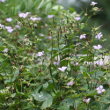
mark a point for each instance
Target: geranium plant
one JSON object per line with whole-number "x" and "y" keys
{"x": 51, "y": 58}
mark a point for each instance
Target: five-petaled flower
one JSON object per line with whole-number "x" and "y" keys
{"x": 100, "y": 89}
{"x": 35, "y": 18}
{"x": 83, "y": 36}
{"x": 86, "y": 100}
{"x": 2, "y": 0}
{"x": 56, "y": 62}
{"x": 70, "y": 83}
{"x": 23, "y": 15}
{"x": 99, "y": 36}
{"x": 17, "y": 27}
{"x": 5, "y": 50}
{"x": 93, "y": 3}
{"x": 77, "y": 18}
{"x": 39, "y": 54}
{"x": 9, "y": 29}
{"x": 50, "y": 16}
{"x": 63, "y": 68}
{"x": 2, "y": 26}
{"x": 9, "y": 19}
{"x": 97, "y": 47}
{"x": 99, "y": 62}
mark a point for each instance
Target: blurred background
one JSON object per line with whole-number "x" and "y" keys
{"x": 101, "y": 19}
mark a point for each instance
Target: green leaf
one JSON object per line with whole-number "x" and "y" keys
{"x": 58, "y": 7}
{"x": 43, "y": 97}
{"x": 47, "y": 103}
{"x": 64, "y": 107}
{"x": 68, "y": 101}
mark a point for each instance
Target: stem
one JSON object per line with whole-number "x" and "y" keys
{"x": 50, "y": 67}
{"x": 88, "y": 84}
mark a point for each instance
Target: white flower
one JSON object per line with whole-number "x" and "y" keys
{"x": 83, "y": 36}
{"x": 86, "y": 100}
{"x": 41, "y": 34}
{"x": 5, "y": 50}
{"x": 99, "y": 36}
{"x": 9, "y": 29}
{"x": 2, "y": 0}
{"x": 23, "y": 15}
{"x": 93, "y": 3}
{"x": 62, "y": 68}
{"x": 77, "y": 18}
{"x": 100, "y": 89}
{"x": 50, "y": 16}
{"x": 9, "y": 19}
{"x": 70, "y": 83}
{"x": 39, "y": 54}
{"x": 35, "y": 18}
{"x": 97, "y": 47}
{"x": 2, "y": 26}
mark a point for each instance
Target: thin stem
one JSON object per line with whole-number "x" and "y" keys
{"x": 50, "y": 67}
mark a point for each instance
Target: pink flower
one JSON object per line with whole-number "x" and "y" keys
{"x": 99, "y": 36}
{"x": 77, "y": 18}
{"x": 86, "y": 100}
{"x": 97, "y": 47}
{"x": 83, "y": 36}
{"x": 100, "y": 89}
{"x": 9, "y": 19}
{"x": 99, "y": 62}
{"x": 56, "y": 63}
{"x": 49, "y": 37}
{"x": 39, "y": 54}
{"x": 50, "y": 16}
{"x": 23, "y": 15}
{"x": 93, "y": 3}
{"x": 2, "y": 26}
{"x": 70, "y": 83}
{"x": 35, "y": 18}
{"x": 9, "y": 29}
{"x": 17, "y": 27}
{"x": 2, "y": 0}
{"x": 63, "y": 68}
